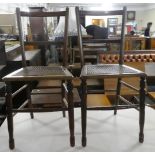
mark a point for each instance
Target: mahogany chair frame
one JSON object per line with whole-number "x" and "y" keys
{"x": 28, "y": 74}
{"x": 102, "y": 71}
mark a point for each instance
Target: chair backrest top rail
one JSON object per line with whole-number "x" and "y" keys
{"x": 100, "y": 13}
{"x": 42, "y": 14}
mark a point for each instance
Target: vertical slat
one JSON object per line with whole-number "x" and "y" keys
{"x": 21, "y": 36}
{"x": 65, "y": 55}
{"x": 79, "y": 36}
{"x": 121, "y": 59}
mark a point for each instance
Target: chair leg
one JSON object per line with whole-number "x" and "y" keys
{"x": 84, "y": 112}
{"x": 63, "y": 95}
{"x": 63, "y": 113}
{"x": 117, "y": 94}
{"x": 28, "y": 92}
{"x": 71, "y": 113}
{"x": 10, "y": 116}
{"x": 142, "y": 109}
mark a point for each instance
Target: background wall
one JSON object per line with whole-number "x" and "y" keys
{"x": 144, "y": 12}
{"x": 8, "y": 23}
{"x": 142, "y": 17}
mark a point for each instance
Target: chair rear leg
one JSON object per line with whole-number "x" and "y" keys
{"x": 117, "y": 95}
{"x": 71, "y": 113}
{"x": 63, "y": 95}
{"x": 28, "y": 92}
{"x": 84, "y": 112}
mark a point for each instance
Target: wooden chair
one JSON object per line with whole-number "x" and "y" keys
{"x": 102, "y": 71}
{"x": 28, "y": 74}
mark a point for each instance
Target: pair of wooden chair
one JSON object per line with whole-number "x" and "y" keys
{"x": 28, "y": 74}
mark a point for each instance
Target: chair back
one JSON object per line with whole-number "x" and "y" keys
{"x": 53, "y": 16}
{"x": 120, "y": 39}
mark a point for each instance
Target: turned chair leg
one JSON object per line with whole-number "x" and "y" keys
{"x": 71, "y": 113}
{"x": 142, "y": 109}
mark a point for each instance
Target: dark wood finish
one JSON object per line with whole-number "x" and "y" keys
{"x": 28, "y": 74}
{"x": 102, "y": 71}
{"x": 130, "y": 43}
{"x": 99, "y": 13}
{"x": 9, "y": 115}
{"x": 3, "y": 57}
{"x": 28, "y": 93}
{"x": 118, "y": 89}
{"x": 43, "y": 14}
{"x": 21, "y": 36}
{"x": 31, "y": 73}
{"x": 37, "y": 32}
{"x": 71, "y": 112}
{"x": 84, "y": 111}
{"x": 142, "y": 109}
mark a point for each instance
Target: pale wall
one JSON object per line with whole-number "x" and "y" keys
{"x": 6, "y": 21}
{"x": 142, "y": 17}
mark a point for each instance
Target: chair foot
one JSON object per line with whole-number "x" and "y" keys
{"x": 32, "y": 115}
{"x": 72, "y": 141}
{"x": 115, "y": 112}
{"x": 11, "y": 144}
{"x": 141, "y": 138}
{"x": 84, "y": 141}
{"x": 64, "y": 114}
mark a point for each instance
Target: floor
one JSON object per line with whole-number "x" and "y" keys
{"x": 48, "y": 132}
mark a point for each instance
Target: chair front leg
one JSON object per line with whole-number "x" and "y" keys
{"x": 9, "y": 114}
{"x": 142, "y": 109}
{"x": 84, "y": 111}
{"x": 71, "y": 112}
